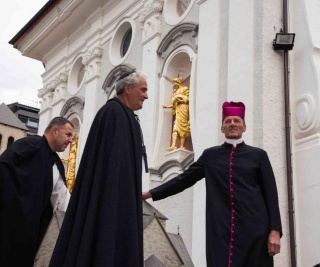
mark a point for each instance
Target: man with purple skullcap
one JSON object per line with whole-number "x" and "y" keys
{"x": 233, "y": 109}
{"x": 243, "y": 224}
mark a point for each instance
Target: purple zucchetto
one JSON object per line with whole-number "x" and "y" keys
{"x": 233, "y": 109}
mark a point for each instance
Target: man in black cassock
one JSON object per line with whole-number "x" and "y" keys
{"x": 103, "y": 224}
{"x": 32, "y": 186}
{"x": 243, "y": 225}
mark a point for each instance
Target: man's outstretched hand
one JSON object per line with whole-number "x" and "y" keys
{"x": 146, "y": 195}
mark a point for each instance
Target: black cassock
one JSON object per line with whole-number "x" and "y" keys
{"x": 25, "y": 192}
{"x": 241, "y": 203}
{"x": 103, "y": 223}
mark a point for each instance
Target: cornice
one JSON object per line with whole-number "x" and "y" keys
{"x": 183, "y": 34}
{"x": 172, "y": 163}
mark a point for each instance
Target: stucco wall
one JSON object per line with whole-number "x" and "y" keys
{"x": 8, "y": 131}
{"x": 234, "y": 61}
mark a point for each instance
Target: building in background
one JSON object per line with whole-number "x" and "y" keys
{"x": 27, "y": 115}
{"x": 222, "y": 51}
{"x": 11, "y": 128}
{"x": 160, "y": 247}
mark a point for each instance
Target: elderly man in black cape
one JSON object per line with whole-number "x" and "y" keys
{"x": 32, "y": 186}
{"x": 243, "y": 225}
{"x": 103, "y": 224}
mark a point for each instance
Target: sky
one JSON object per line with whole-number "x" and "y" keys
{"x": 20, "y": 76}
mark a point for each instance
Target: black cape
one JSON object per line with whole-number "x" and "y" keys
{"x": 25, "y": 191}
{"x": 103, "y": 223}
{"x": 241, "y": 204}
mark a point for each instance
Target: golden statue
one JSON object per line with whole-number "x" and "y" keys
{"x": 71, "y": 170}
{"x": 180, "y": 111}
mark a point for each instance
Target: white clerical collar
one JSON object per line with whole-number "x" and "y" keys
{"x": 233, "y": 142}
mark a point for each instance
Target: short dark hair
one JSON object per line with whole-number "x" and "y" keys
{"x": 59, "y": 122}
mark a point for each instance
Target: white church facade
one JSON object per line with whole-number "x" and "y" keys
{"x": 223, "y": 51}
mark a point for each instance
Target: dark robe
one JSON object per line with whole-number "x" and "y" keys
{"x": 103, "y": 222}
{"x": 241, "y": 203}
{"x": 25, "y": 189}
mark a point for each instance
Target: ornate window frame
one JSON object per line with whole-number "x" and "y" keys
{"x": 117, "y": 41}
{"x": 73, "y": 86}
{"x": 169, "y": 11}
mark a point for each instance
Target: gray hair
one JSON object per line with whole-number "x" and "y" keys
{"x": 132, "y": 79}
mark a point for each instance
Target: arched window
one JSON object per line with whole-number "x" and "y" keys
{"x": 175, "y": 11}
{"x": 122, "y": 41}
{"x": 80, "y": 75}
{"x": 182, "y": 6}
{"x": 126, "y": 41}
{"x": 10, "y": 141}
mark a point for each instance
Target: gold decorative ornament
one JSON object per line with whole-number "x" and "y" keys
{"x": 180, "y": 111}
{"x": 71, "y": 161}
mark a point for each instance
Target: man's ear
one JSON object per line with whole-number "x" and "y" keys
{"x": 54, "y": 130}
{"x": 126, "y": 88}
